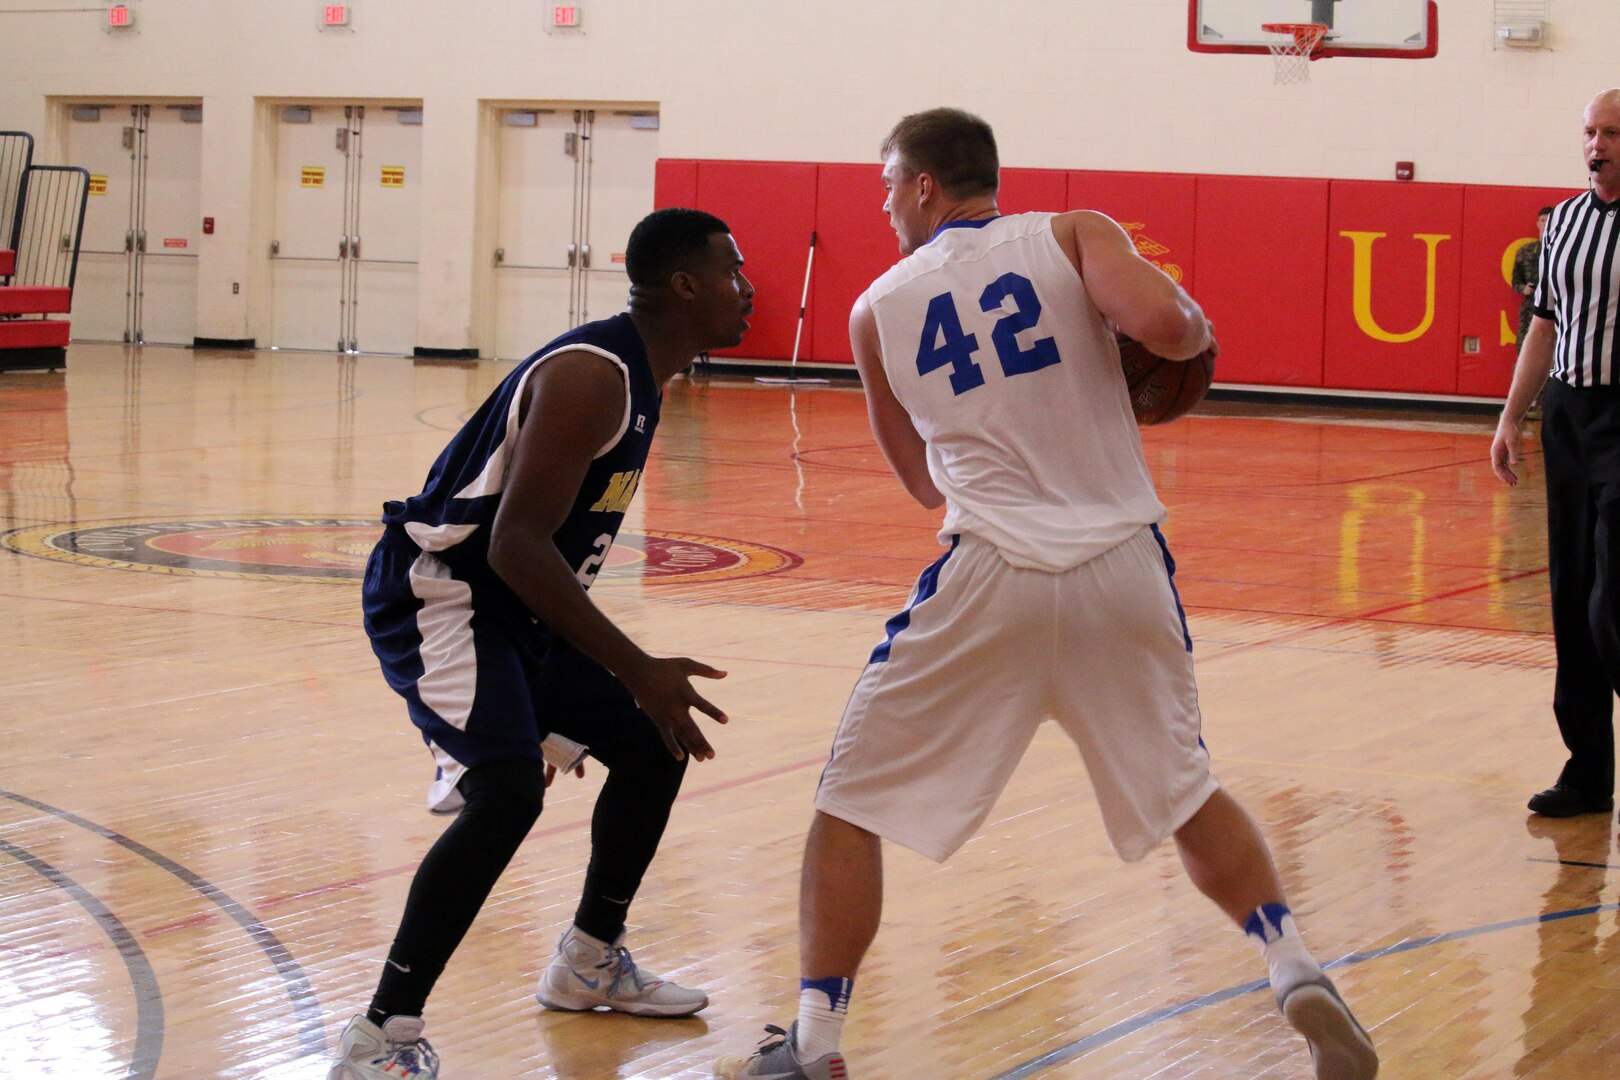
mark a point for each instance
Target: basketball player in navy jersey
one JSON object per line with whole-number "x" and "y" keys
{"x": 476, "y": 605}
{"x": 994, "y": 389}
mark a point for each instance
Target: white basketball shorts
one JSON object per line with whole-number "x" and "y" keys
{"x": 983, "y": 654}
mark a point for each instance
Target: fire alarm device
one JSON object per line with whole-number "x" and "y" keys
{"x": 1404, "y": 170}
{"x": 208, "y": 226}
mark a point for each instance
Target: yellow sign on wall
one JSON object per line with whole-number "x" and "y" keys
{"x": 98, "y": 184}
{"x": 393, "y": 176}
{"x": 312, "y": 176}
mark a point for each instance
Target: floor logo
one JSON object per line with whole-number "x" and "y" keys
{"x": 335, "y": 549}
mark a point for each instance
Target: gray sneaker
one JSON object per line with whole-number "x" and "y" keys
{"x": 774, "y": 1060}
{"x": 395, "y": 1051}
{"x": 586, "y": 976}
{"x": 1340, "y": 1047}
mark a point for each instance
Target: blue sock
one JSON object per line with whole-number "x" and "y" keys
{"x": 838, "y": 991}
{"x": 1266, "y": 922}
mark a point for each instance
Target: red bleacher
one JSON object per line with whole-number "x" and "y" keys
{"x": 35, "y": 300}
{"x": 30, "y": 331}
{"x": 32, "y": 334}
{"x": 38, "y": 205}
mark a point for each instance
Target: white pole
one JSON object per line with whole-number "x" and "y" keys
{"x": 804, "y": 300}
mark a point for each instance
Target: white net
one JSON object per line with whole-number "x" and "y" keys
{"x": 1291, "y": 46}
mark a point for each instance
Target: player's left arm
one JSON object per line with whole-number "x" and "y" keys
{"x": 1134, "y": 295}
{"x": 896, "y": 435}
{"x": 572, "y": 408}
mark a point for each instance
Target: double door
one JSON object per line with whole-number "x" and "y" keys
{"x": 573, "y": 183}
{"x": 137, "y": 279}
{"x": 343, "y": 263}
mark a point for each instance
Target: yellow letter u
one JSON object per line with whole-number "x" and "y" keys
{"x": 1361, "y": 287}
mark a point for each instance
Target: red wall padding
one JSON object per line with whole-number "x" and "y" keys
{"x": 771, "y": 208}
{"x": 1024, "y": 190}
{"x": 1398, "y": 248}
{"x": 1280, "y": 263}
{"x": 1156, "y": 209}
{"x": 854, "y": 244}
{"x": 1263, "y": 242}
{"x": 1496, "y": 220}
{"x": 675, "y": 182}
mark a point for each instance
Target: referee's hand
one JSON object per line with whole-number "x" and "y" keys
{"x": 1505, "y": 451}
{"x": 663, "y": 688}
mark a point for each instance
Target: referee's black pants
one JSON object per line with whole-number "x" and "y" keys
{"x": 1580, "y": 440}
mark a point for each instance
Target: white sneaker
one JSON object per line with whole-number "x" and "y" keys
{"x": 587, "y": 974}
{"x": 1340, "y": 1047}
{"x": 394, "y": 1051}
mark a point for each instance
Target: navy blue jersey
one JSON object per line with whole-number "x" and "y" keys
{"x": 452, "y": 516}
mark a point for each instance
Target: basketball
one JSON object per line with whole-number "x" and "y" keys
{"x": 1163, "y": 390}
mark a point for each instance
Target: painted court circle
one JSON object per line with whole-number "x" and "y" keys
{"x": 318, "y": 549}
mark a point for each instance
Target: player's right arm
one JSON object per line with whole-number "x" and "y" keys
{"x": 897, "y": 437}
{"x": 1529, "y": 376}
{"x": 573, "y": 405}
{"x": 1137, "y": 297}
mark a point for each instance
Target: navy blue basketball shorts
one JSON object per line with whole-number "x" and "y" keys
{"x": 481, "y": 679}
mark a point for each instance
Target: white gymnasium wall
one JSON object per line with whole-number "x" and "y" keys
{"x": 1101, "y": 84}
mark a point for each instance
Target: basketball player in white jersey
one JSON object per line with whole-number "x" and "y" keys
{"x": 994, "y": 389}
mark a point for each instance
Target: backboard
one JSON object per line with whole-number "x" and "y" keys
{"x": 1393, "y": 29}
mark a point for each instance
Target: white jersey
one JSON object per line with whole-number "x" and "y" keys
{"x": 1010, "y": 375}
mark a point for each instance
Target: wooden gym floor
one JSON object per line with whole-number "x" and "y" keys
{"x": 211, "y": 805}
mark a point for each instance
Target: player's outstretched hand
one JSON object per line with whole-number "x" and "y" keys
{"x": 663, "y": 689}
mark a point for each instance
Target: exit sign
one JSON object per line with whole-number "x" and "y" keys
{"x": 337, "y": 15}
{"x": 119, "y": 17}
{"x": 565, "y": 16}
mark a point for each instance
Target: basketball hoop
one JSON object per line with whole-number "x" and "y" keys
{"x": 1292, "y": 47}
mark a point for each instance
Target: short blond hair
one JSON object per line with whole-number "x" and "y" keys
{"x": 955, "y": 147}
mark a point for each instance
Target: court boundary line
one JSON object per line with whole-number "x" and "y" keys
{"x": 149, "y": 1021}
{"x": 1142, "y": 1021}
{"x": 312, "y": 1026}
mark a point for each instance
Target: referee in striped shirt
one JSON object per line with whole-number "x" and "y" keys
{"x": 1575, "y": 336}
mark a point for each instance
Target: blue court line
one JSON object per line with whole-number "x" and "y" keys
{"x": 148, "y": 996}
{"x": 311, "y": 1029}
{"x": 1145, "y": 1020}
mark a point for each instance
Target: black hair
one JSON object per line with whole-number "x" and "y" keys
{"x": 1544, "y": 211}
{"x": 666, "y": 239}
{"x": 956, "y": 148}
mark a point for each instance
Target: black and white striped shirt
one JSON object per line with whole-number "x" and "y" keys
{"x": 1580, "y": 289}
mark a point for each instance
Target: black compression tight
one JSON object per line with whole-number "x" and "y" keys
{"x": 503, "y": 800}
{"x": 631, "y": 812}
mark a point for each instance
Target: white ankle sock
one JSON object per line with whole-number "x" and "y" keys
{"x": 823, "y": 1008}
{"x": 1288, "y": 962}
